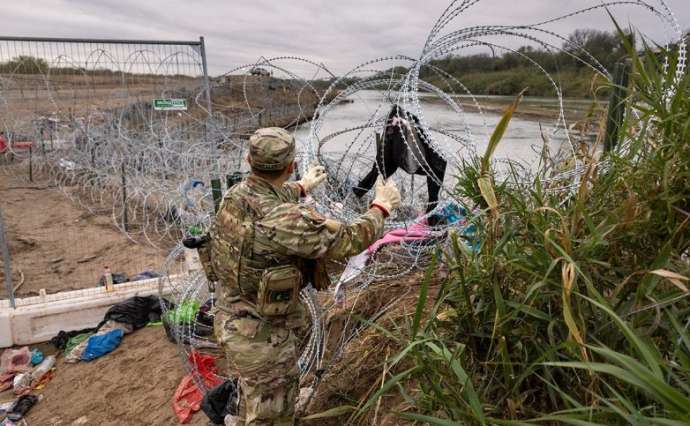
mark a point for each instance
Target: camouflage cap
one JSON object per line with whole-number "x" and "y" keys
{"x": 271, "y": 148}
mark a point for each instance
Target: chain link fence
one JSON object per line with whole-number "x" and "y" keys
{"x": 130, "y": 133}
{"x": 76, "y": 119}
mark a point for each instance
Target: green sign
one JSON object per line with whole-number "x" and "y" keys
{"x": 170, "y": 104}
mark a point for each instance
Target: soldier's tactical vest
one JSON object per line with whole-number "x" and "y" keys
{"x": 271, "y": 282}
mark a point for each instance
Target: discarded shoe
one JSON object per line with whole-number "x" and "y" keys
{"x": 21, "y": 407}
{"x": 221, "y": 401}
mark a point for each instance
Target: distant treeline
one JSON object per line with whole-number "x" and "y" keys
{"x": 31, "y": 65}
{"x": 508, "y": 73}
{"x": 24, "y": 65}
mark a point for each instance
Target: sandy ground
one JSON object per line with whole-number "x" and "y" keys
{"x": 132, "y": 385}
{"x": 56, "y": 244}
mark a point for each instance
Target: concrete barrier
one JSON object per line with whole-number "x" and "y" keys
{"x": 39, "y": 318}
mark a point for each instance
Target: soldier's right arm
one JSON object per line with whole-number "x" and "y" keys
{"x": 298, "y": 230}
{"x": 352, "y": 239}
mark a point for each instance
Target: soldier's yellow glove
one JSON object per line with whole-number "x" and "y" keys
{"x": 313, "y": 178}
{"x": 387, "y": 196}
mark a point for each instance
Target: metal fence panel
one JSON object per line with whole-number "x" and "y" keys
{"x": 77, "y": 115}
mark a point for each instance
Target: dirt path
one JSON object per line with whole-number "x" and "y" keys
{"x": 133, "y": 385}
{"x": 57, "y": 245}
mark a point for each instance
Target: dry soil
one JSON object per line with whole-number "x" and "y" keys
{"x": 56, "y": 244}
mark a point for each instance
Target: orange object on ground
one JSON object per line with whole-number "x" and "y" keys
{"x": 43, "y": 381}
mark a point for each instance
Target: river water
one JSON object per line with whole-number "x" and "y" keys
{"x": 522, "y": 141}
{"x": 350, "y": 155}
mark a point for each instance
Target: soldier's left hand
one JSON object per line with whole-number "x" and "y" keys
{"x": 314, "y": 177}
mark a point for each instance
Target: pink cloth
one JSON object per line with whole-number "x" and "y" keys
{"x": 417, "y": 231}
{"x": 15, "y": 360}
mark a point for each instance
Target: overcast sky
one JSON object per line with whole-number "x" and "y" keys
{"x": 340, "y": 34}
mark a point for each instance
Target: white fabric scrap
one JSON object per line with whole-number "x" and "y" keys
{"x": 354, "y": 267}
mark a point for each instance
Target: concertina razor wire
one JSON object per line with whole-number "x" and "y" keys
{"x": 88, "y": 108}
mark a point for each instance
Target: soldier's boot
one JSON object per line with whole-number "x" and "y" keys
{"x": 271, "y": 406}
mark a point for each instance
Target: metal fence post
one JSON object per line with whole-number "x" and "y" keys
{"x": 8, "y": 263}
{"x": 207, "y": 88}
{"x": 125, "y": 220}
{"x": 217, "y": 194}
{"x": 204, "y": 67}
{"x": 31, "y": 165}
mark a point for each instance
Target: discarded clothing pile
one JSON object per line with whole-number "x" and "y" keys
{"x": 136, "y": 311}
{"x": 23, "y": 371}
{"x": 120, "y": 319}
{"x": 61, "y": 339}
{"x": 188, "y": 397}
{"x": 13, "y": 362}
{"x": 105, "y": 340}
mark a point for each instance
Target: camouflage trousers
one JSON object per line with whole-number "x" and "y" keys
{"x": 264, "y": 357}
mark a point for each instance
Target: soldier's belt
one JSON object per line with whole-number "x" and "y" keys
{"x": 239, "y": 307}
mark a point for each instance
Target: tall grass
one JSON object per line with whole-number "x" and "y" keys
{"x": 576, "y": 309}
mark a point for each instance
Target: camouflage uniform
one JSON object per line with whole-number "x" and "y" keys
{"x": 259, "y": 226}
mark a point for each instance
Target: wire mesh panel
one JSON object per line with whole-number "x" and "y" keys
{"x": 106, "y": 123}
{"x": 51, "y": 90}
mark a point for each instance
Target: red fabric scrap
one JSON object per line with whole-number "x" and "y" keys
{"x": 187, "y": 397}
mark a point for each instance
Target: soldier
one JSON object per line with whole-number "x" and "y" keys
{"x": 265, "y": 246}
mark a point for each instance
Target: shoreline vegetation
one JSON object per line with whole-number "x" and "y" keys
{"x": 490, "y": 77}
{"x": 533, "y": 108}
{"x": 511, "y": 72}
{"x": 576, "y": 308}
